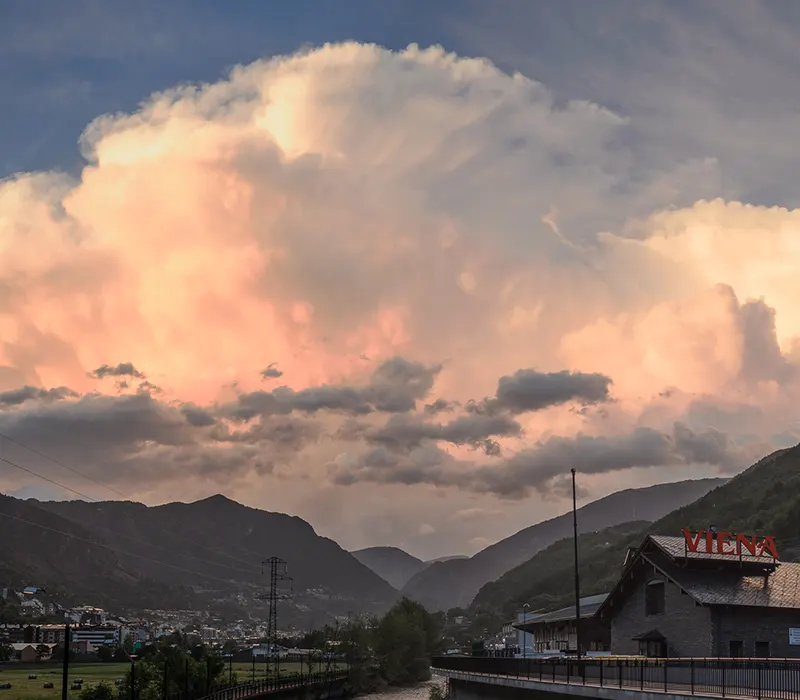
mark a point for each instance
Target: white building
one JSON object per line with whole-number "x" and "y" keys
{"x": 525, "y": 640}
{"x": 96, "y": 635}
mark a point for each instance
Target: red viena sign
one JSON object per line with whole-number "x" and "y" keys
{"x": 729, "y": 543}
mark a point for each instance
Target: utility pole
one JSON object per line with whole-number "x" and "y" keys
{"x": 524, "y": 633}
{"x": 276, "y": 567}
{"x": 577, "y": 577}
{"x": 65, "y": 671}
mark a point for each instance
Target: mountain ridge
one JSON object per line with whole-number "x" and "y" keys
{"x": 455, "y": 583}
{"x": 208, "y": 552}
{"x": 765, "y": 498}
{"x": 392, "y": 564}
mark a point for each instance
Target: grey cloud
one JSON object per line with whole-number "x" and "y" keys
{"x": 529, "y": 390}
{"x": 544, "y": 467}
{"x": 16, "y": 397}
{"x": 123, "y": 369}
{"x": 281, "y": 433}
{"x": 98, "y": 424}
{"x": 394, "y": 387}
{"x": 197, "y": 416}
{"x": 147, "y": 387}
{"x": 403, "y": 432}
{"x": 440, "y": 406}
{"x": 644, "y": 447}
{"x": 271, "y": 372}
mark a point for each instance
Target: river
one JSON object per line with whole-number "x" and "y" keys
{"x": 417, "y": 692}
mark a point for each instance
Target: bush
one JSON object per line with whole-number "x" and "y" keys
{"x": 101, "y": 691}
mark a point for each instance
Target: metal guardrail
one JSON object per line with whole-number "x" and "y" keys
{"x": 252, "y": 689}
{"x": 760, "y": 679}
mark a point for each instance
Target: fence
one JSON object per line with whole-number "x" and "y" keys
{"x": 748, "y": 678}
{"x": 253, "y": 689}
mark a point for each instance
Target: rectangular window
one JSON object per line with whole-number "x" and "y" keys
{"x": 762, "y": 650}
{"x": 654, "y": 598}
{"x": 737, "y": 649}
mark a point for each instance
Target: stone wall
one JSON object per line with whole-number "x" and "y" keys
{"x": 751, "y": 625}
{"x": 686, "y": 625}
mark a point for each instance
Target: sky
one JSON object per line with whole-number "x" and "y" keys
{"x": 398, "y": 267}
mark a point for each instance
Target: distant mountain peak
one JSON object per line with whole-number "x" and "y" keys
{"x": 219, "y": 499}
{"x": 392, "y": 564}
{"x": 454, "y": 583}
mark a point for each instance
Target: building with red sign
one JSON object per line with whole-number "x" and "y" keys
{"x": 705, "y": 594}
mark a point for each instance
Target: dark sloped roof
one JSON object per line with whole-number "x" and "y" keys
{"x": 780, "y": 589}
{"x": 589, "y": 607}
{"x": 720, "y": 581}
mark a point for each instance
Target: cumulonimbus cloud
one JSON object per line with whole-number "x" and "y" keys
{"x": 396, "y": 230}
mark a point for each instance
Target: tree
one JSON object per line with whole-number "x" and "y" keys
{"x": 6, "y": 650}
{"x": 101, "y": 691}
{"x": 42, "y": 651}
{"x": 105, "y": 653}
{"x": 406, "y": 638}
{"x": 182, "y": 670}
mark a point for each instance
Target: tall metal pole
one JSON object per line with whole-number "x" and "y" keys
{"x": 133, "y": 679}
{"x": 524, "y": 633}
{"x": 577, "y": 577}
{"x": 65, "y": 671}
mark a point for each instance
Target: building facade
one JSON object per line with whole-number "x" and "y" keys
{"x": 678, "y": 597}
{"x": 556, "y": 631}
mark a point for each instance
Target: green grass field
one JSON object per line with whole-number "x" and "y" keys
{"x": 25, "y": 689}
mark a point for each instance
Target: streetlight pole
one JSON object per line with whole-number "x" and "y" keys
{"x": 577, "y": 577}
{"x": 524, "y": 633}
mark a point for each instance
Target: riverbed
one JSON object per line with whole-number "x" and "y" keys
{"x": 417, "y": 692}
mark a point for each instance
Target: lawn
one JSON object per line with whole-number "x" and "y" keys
{"x": 244, "y": 671}
{"x": 24, "y": 689}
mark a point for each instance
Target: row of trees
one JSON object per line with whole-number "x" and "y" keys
{"x": 165, "y": 669}
{"x": 392, "y": 650}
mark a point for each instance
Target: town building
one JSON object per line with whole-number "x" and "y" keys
{"x": 555, "y": 632}
{"x": 96, "y": 635}
{"x": 705, "y": 594}
{"x": 50, "y": 634}
{"x": 26, "y": 653}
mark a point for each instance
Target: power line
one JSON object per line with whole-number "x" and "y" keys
{"x": 113, "y": 549}
{"x": 52, "y": 481}
{"x": 94, "y": 500}
{"x": 120, "y": 534}
{"x": 61, "y": 464}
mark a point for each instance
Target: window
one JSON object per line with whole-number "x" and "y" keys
{"x": 654, "y": 598}
{"x": 762, "y": 650}
{"x": 737, "y": 649}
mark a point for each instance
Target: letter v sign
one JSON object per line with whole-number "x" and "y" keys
{"x": 692, "y": 544}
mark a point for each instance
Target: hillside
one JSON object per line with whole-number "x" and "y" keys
{"x": 540, "y": 582}
{"x": 456, "y": 582}
{"x": 207, "y": 552}
{"x": 764, "y": 499}
{"x": 41, "y": 548}
{"x": 451, "y": 558}
{"x": 390, "y": 563}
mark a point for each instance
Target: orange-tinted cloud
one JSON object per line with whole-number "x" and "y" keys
{"x": 326, "y": 212}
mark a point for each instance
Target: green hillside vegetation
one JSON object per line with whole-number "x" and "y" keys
{"x": 545, "y": 581}
{"x": 763, "y": 500}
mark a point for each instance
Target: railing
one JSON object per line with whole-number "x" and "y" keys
{"x": 251, "y": 689}
{"x": 744, "y": 678}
